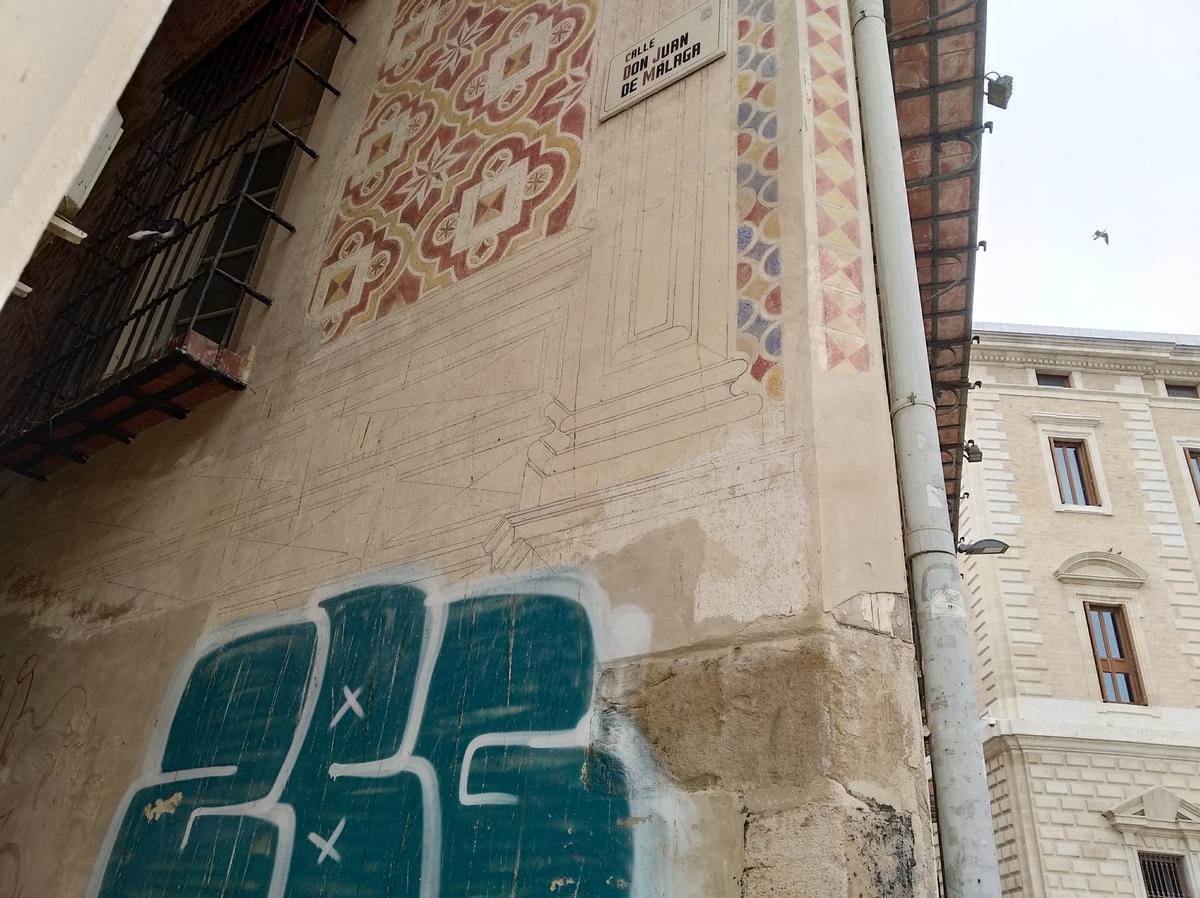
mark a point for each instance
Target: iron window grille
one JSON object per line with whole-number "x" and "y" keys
{"x": 1163, "y": 875}
{"x": 206, "y": 179}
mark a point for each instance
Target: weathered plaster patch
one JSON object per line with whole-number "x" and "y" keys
{"x": 883, "y": 612}
{"x": 761, "y": 718}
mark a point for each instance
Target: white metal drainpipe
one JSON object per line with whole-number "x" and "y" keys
{"x": 968, "y": 846}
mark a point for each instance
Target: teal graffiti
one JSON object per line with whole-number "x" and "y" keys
{"x": 384, "y": 743}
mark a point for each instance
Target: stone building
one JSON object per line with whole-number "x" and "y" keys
{"x": 1087, "y": 631}
{"x": 425, "y": 477}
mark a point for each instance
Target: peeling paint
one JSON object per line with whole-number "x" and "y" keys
{"x": 162, "y": 806}
{"x": 632, "y": 821}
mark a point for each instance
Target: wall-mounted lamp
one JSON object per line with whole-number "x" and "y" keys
{"x": 999, "y": 89}
{"x": 972, "y": 452}
{"x": 983, "y": 547}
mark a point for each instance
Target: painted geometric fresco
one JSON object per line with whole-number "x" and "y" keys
{"x": 469, "y": 151}
{"x": 839, "y": 210}
{"x": 760, "y": 296}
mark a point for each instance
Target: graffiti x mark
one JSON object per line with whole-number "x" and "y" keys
{"x": 350, "y": 704}
{"x": 325, "y": 846}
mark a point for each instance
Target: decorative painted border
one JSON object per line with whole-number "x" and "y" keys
{"x": 759, "y": 256}
{"x": 840, "y": 219}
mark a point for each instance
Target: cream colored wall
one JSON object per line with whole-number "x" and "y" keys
{"x": 1013, "y": 496}
{"x": 510, "y": 423}
{"x": 1177, "y": 422}
{"x": 62, "y": 67}
{"x": 1059, "y": 757}
{"x": 1064, "y": 844}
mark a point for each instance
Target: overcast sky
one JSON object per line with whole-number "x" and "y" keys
{"x": 1103, "y": 132}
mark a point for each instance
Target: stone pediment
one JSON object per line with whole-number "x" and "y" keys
{"x": 1101, "y": 569}
{"x": 1156, "y": 809}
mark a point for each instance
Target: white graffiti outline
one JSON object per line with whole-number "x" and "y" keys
{"x": 267, "y": 808}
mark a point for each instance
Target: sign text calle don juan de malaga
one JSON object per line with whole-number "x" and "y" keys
{"x": 686, "y": 45}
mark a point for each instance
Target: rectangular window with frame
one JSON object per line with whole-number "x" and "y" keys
{"x": 1073, "y": 470}
{"x": 1183, "y": 391}
{"x": 1053, "y": 379}
{"x": 1163, "y": 875}
{"x": 1112, "y": 649}
{"x": 1193, "y": 460}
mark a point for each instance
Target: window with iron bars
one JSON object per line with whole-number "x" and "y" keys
{"x": 1164, "y": 876}
{"x": 177, "y": 248}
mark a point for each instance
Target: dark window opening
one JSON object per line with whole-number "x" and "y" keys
{"x": 1112, "y": 649}
{"x": 1073, "y": 469}
{"x": 1053, "y": 379}
{"x": 1193, "y": 460}
{"x": 202, "y": 191}
{"x": 1163, "y": 875}
{"x": 1183, "y": 391}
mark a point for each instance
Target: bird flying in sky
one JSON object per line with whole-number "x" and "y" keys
{"x": 1101, "y": 234}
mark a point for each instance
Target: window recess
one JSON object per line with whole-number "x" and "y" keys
{"x": 1112, "y": 650}
{"x": 1073, "y": 470}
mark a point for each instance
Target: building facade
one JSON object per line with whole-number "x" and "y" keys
{"x": 420, "y": 482}
{"x": 1087, "y": 631}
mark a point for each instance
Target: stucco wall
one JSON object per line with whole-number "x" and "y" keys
{"x": 596, "y": 509}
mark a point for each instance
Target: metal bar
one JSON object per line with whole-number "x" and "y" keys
{"x": 272, "y": 214}
{"x": 329, "y": 18}
{"x": 27, "y": 472}
{"x": 935, "y": 88}
{"x": 167, "y": 408}
{"x": 115, "y": 432}
{"x": 295, "y": 138}
{"x": 932, "y": 36}
{"x": 64, "y": 451}
{"x": 318, "y": 77}
{"x": 220, "y": 313}
{"x": 261, "y": 297}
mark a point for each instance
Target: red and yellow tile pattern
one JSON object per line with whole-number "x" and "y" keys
{"x": 469, "y": 151}
{"x": 840, "y": 219}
